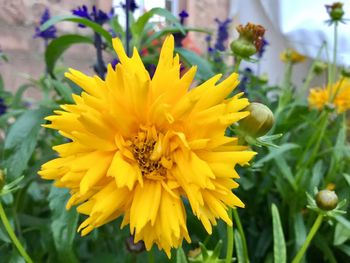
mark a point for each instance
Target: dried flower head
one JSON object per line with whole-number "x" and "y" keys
{"x": 335, "y": 12}
{"x": 250, "y": 40}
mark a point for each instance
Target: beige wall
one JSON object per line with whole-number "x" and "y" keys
{"x": 18, "y": 19}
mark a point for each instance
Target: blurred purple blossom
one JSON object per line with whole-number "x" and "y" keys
{"x": 132, "y": 5}
{"x": 3, "y": 107}
{"x": 96, "y": 15}
{"x": 222, "y": 34}
{"x": 49, "y": 33}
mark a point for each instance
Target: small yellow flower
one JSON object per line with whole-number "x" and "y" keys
{"x": 140, "y": 146}
{"x": 290, "y": 55}
{"x": 338, "y": 92}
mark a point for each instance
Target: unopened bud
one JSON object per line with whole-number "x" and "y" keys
{"x": 326, "y": 200}
{"x": 345, "y": 72}
{"x": 242, "y": 48}
{"x": 259, "y": 121}
{"x": 319, "y": 67}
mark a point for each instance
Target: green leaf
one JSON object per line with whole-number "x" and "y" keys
{"x": 64, "y": 224}
{"x": 180, "y": 256}
{"x": 116, "y": 27}
{"x": 171, "y": 30}
{"x": 239, "y": 248}
{"x": 204, "y": 70}
{"x": 274, "y": 152}
{"x": 341, "y": 234}
{"x": 299, "y": 230}
{"x": 59, "y": 45}
{"x": 279, "y": 244}
{"x": 77, "y": 19}
{"x": 21, "y": 140}
{"x": 17, "y": 98}
{"x": 345, "y": 249}
{"x": 286, "y": 171}
{"x": 64, "y": 90}
{"x": 138, "y": 27}
{"x": 317, "y": 174}
{"x": 347, "y": 178}
{"x": 342, "y": 220}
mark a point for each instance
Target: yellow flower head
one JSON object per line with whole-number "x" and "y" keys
{"x": 140, "y": 146}
{"x": 290, "y": 55}
{"x": 339, "y": 93}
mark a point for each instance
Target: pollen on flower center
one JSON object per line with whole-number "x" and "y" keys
{"x": 143, "y": 149}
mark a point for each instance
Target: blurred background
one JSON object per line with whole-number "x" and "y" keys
{"x": 18, "y": 19}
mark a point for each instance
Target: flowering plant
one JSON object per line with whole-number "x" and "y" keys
{"x": 163, "y": 148}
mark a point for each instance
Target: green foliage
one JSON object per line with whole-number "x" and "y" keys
{"x": 21, "y": 141}
{"x": 59, "y": 45}
{"x": 279, "y": 244}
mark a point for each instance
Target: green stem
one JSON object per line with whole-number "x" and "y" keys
{"x": 230, "y": 240}
{"x": 287, "y": 76}
{"x": 324, "y": 124}
{"x": 333, "y": 68}
{"x": 241, "y": 232}
{"x": 238, "y": 62}
{"x": 12, "y": 235}
{"x": 309, "y": 237}
{"x": 311, "y": 74}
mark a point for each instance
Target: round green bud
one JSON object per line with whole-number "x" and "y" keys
{"x": 345, "y": 72}
{"x": 337, "y": 14}
{"x": 326, "y": 200}
{"x": 319, "y": 67}
{"x": 258, "y": 122}
{"x": 242, "y": 48}
{"x": 2, "y": 179}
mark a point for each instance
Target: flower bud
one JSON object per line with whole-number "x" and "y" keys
{"x": 326, "y": 200}
{"x": 345, "y": 72}
{"x": 258, "y": 122}
{"x": 243, "y": 48}
{"x": 319, "y": 67}
{"x": 2, "y": 179}
{"x": 335, "y": 11}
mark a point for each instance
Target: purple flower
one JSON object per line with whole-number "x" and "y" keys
{"x": 132, "y": 5}
{"x": 222, "y": 35}
{"x": 246, "y": 79}
{"x": 49, "y": 33}
{"x": 3, "y": 107}
{"x": 114, "y": 63}
{"x": 178, "y": 36}
{"x": 183, "y": 15}
{"x": 263, "y": 48}
{"x": 97, "y": 15}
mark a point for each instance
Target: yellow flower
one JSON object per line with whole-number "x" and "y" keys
{"x": 338, "y": 92}
{"x": 140, "y": 146}
{"x": 290, "y": 55}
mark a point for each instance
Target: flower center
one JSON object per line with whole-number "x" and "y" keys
{"x": 143, "y": 147}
